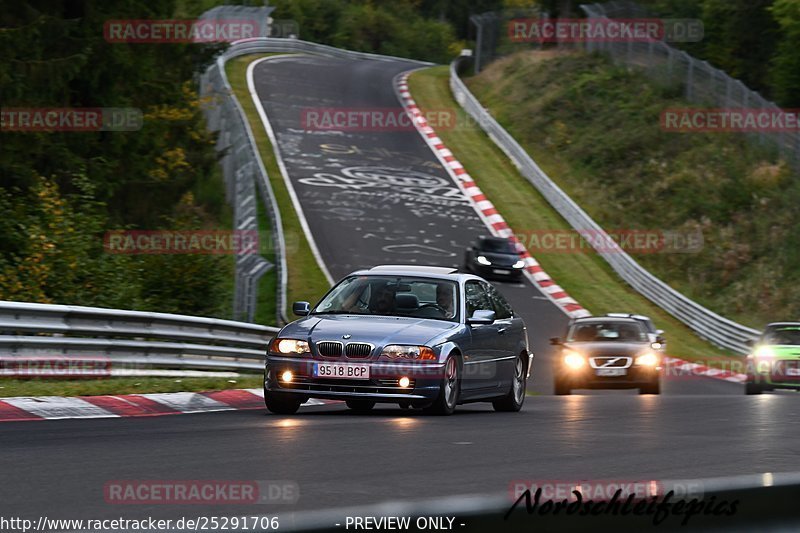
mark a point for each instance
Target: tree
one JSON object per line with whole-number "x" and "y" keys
{"x": 785, "y": 65}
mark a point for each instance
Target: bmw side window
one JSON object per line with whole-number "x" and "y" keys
{"x": 501, "y": 308}
{"x": 476, "y": 298}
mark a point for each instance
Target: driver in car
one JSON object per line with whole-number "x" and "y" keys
{"x": 445, "y": 299}
{"x": 384, "y": 303}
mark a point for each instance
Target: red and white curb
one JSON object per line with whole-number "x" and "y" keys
{"x": 133, "y": 405}
{"x": 498, "y": 226}
{"x": 679, "y": 367}
{"x": 485, "y": 209}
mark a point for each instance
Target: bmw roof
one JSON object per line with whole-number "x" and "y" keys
{"x": 414, "y": 268}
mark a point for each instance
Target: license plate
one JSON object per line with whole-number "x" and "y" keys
{"x": 611, "y": 372}
{"x": 792, "y": 371}
{"x": 498, "y": 271}
{"x": 341, "y": 370}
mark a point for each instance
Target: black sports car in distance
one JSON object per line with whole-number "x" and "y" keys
{"x": 495, "y": 258}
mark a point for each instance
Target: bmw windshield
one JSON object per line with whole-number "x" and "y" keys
{"x": 392, "y": 296}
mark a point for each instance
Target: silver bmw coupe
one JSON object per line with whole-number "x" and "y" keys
{"x": 421, "y": 337}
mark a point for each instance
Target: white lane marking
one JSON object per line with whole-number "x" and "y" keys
{"x": 188, "y": 402}
{"x": 55, "y": 407}
{"x": 282, "y": 166}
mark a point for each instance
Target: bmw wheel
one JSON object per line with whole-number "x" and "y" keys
{"x": 281, "y": 404}
{"x": 360, "y": 406}
{"x": 512, "y": 402}
{"x": 449, "y": 389}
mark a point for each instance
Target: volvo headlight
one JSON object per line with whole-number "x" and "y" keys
{"x": 482, "y": 260}
{"x": 648, "y": 359}
{"x": 289, "y": 346}
{"x": 574, "y": 360}
{"x": 398, "y": 351}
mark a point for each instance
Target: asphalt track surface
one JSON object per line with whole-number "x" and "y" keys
{"x": 697, "y": 428}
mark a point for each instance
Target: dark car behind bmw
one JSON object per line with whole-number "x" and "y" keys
{"x": 494, "y": 258}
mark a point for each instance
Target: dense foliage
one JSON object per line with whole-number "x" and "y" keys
{"x": 61, "y": 191}
{"x": 756, "y": 41}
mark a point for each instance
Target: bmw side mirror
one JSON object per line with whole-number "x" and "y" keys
{"x": 301, "y": 308}
{"x": 481, "y": 316}
{"x": 556, "y": 341}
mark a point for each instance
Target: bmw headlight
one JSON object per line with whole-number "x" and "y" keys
{"x": 289, "y": 346}
{"x": 482, "y": 260}
{"x": 398, "y": 351}
{"x": 648, "y": 359}
{"x": 519, "y": 264}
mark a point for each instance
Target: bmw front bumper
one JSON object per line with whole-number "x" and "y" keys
{"x": 383, "y": 384}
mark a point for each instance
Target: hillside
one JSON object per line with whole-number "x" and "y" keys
{"x": 595, "y": 129}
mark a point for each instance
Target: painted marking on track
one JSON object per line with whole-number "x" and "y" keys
{"x": 54, "y": 407}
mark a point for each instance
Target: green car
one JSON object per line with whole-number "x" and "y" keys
{"x": 775, "y": 361}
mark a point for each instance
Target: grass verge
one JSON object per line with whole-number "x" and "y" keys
{"x": 305, "y": 279}
{"x": 586, "y": 277}
{"x": 93, "y": 387}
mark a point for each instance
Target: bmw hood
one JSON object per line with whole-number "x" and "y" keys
{"x": 378, "y": 330}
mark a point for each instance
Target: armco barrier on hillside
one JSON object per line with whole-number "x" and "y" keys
{"x": 709, "y": 325}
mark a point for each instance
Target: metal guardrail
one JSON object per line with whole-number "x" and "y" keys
{"x": 130, "y": 337}
{"x": 709, "y": 325}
